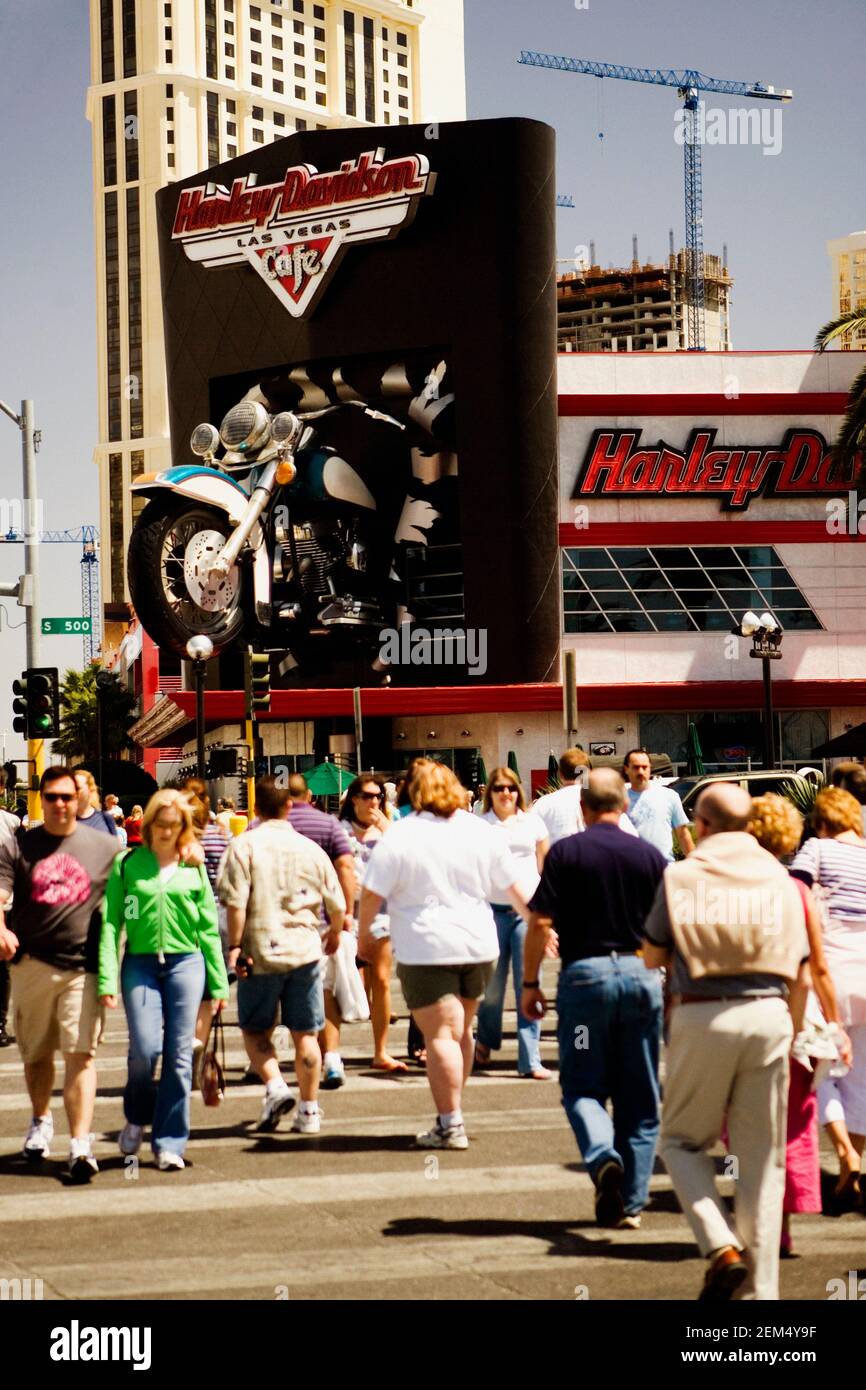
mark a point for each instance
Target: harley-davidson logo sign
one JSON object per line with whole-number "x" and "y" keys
{"x": 615, "y": 467}
{"x": 294, "y": 233}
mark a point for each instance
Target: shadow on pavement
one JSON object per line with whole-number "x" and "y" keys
{"x": 563, "y": 1237}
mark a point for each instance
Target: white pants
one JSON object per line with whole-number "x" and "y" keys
{"x": 844, "y": 1097}
{"x": 728, "y": 1061}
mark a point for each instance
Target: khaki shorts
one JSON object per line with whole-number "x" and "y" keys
{"x": 54, "y": 1010}
{"x": 426, "y": 984}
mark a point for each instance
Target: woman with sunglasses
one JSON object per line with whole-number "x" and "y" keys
{"x": 363, "y": 813}
{"x": 526, "y": 837}
{"x": 167, "y": 909}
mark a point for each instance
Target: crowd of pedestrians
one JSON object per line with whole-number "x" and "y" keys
{"x": 739, "y": 940}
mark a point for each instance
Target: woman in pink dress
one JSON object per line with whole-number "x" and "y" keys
{"x": 778, "y": 826}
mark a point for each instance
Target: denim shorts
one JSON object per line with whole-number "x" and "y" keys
{"x": 297, "y": 994}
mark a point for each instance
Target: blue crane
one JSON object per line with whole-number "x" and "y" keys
{"x": 88, "y": 538}
{"x": 688, "y": 83}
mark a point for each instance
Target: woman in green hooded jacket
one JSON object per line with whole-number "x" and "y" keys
{"x": 167, "y": 909}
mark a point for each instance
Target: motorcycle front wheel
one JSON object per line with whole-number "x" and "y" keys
{"x": 170, "y": 548}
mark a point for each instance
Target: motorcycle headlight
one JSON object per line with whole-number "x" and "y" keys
{"x": 246, "y": 428}
{"x": 286, "y": 428}
{"x": 205, "y": 440}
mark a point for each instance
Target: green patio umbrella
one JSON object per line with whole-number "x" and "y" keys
{"x": 553, "y": 770}
{"x": 512, "y": 765}
{"x": 327, "y": 779}
{"x": 480, "y": 772}
{"x": 695, "y": 755}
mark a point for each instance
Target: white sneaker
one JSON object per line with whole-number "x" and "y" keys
{"x": 129, "y": 1139}
{"x": 37, "y": 1145}
{"x": 273, "y": 1107}
{"x": 439, "y": 1138}
{"x": 166, "y": 1161}
{"x": 82, "y": 1164}
{"x": 308, "y": 1121}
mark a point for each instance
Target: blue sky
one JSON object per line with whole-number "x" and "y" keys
{"x": 775, "y": 212}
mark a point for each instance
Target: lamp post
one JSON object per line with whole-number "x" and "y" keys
{"x": 199, "y": 650}
{"x": 104, "y": 682}
{"x": 766, "y": 635}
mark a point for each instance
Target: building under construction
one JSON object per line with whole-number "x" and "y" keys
{"x": 641, "y": 309}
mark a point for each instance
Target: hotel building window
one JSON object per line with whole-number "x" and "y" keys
{"x": 210, "y": 39}
{"x": 369, "y": 73}
{"x": 128, "y": 36}
{"x": 115, "y": 518}
{"x": 349, "y": 43}
{"x": 107, "y": 35}
{"x": 136, "y": 468}
{"x": 213, "y": 142}
{"x": 130, "y": 135}
{"x": 112, "y": 314}
{"x": 135, "y": 393}
{"x": 109, "y": 141}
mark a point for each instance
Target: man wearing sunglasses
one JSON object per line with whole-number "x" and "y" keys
{"x": 56, "y": 874}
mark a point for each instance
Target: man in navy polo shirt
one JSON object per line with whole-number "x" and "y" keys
{"x": 596, "y": 890}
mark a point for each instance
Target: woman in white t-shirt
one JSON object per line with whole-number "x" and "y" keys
{"x": 439, "y": 869}
{"x": 526, "y": 836}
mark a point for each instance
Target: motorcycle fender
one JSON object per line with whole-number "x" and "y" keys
{"x": 199, "y": 485}
{"x": 216, "y": 490}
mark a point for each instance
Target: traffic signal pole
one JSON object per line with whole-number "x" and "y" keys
{"x": 29, "y": 594}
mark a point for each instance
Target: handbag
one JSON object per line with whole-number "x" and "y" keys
{"x": 213, "y": 1068}
{"x": 349, "y": 993}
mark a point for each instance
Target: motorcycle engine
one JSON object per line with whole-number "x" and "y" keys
{"x": 318, "y": 554}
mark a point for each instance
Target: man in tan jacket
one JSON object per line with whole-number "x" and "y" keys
{"x": 729, "y": 923}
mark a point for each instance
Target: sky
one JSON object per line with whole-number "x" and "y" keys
{"x": 617, "y": 156}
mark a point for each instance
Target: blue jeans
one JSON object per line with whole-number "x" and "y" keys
{"x": 161, "y": 1002}
{"x": 511, "y": 930}
{"x": 610, "y": 1019}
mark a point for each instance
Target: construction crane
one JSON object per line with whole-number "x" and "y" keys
{"x": 688, "y": 84}
{"x": 88, "y": 538}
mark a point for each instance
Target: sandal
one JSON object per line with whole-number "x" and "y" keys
{"x": 482, "y": 1055}
{"x": 392, "y": 1065}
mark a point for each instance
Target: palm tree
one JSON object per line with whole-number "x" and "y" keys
{"x": 851, "y": 440}
{"x": 78, "y": 717}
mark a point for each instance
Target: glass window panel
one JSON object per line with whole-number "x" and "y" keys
{"x": 677, "y": 557}
{"x": 761, "y": 577}
{"x": 802, "y": 618}
{"x": 741, "y": 599}
{"x": 648, "y": 580}
{"x": 690, "y": 579}
{"x": 580, "y": 603}
{"x": 757, "y": 555}
{"x": 717, "y": 557}
{"x": 658, "y": 602}
{"x": 630, "y": 622}
{"x": 590, "y": 559}
{"x": 733, "y": 579}
{"x": 783, "y": 598}
{"x": 622, "y": 602}
{"x": 673, "y": 622}
{"x": 605, "y": 579}
{"x": 632, "y": 559}
{"x": 572, "y": 580}
{"x": 713, "y": 619}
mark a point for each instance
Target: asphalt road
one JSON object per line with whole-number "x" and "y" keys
{"x": 356, "y": 1212}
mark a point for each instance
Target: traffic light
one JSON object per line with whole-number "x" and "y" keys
{"x": 257, "y": 682}
{"x": 36, "y": 706}
{"x": 11, "y": 772}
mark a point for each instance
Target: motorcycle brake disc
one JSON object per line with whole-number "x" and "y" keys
{"x": 198, "y": 557}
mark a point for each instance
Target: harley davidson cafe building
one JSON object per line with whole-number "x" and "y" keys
{"x": 692, "y": 488}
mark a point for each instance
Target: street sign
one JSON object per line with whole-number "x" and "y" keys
{"x": 55, "y": 626}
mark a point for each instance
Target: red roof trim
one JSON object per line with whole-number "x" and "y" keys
{"x": 226, "y": 706}
{"x": 615, "y": 404}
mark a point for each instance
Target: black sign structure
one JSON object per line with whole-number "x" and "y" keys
{"x": 408, "y": 269}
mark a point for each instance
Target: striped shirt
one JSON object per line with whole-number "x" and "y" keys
{"x": 839, "y": 867}
{"x": 214, "y": 843}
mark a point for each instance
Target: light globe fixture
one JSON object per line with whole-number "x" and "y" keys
{"x": 199, "y": 649}
{"x": 750, "y": 624}
{"x": 766, "y": 634}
